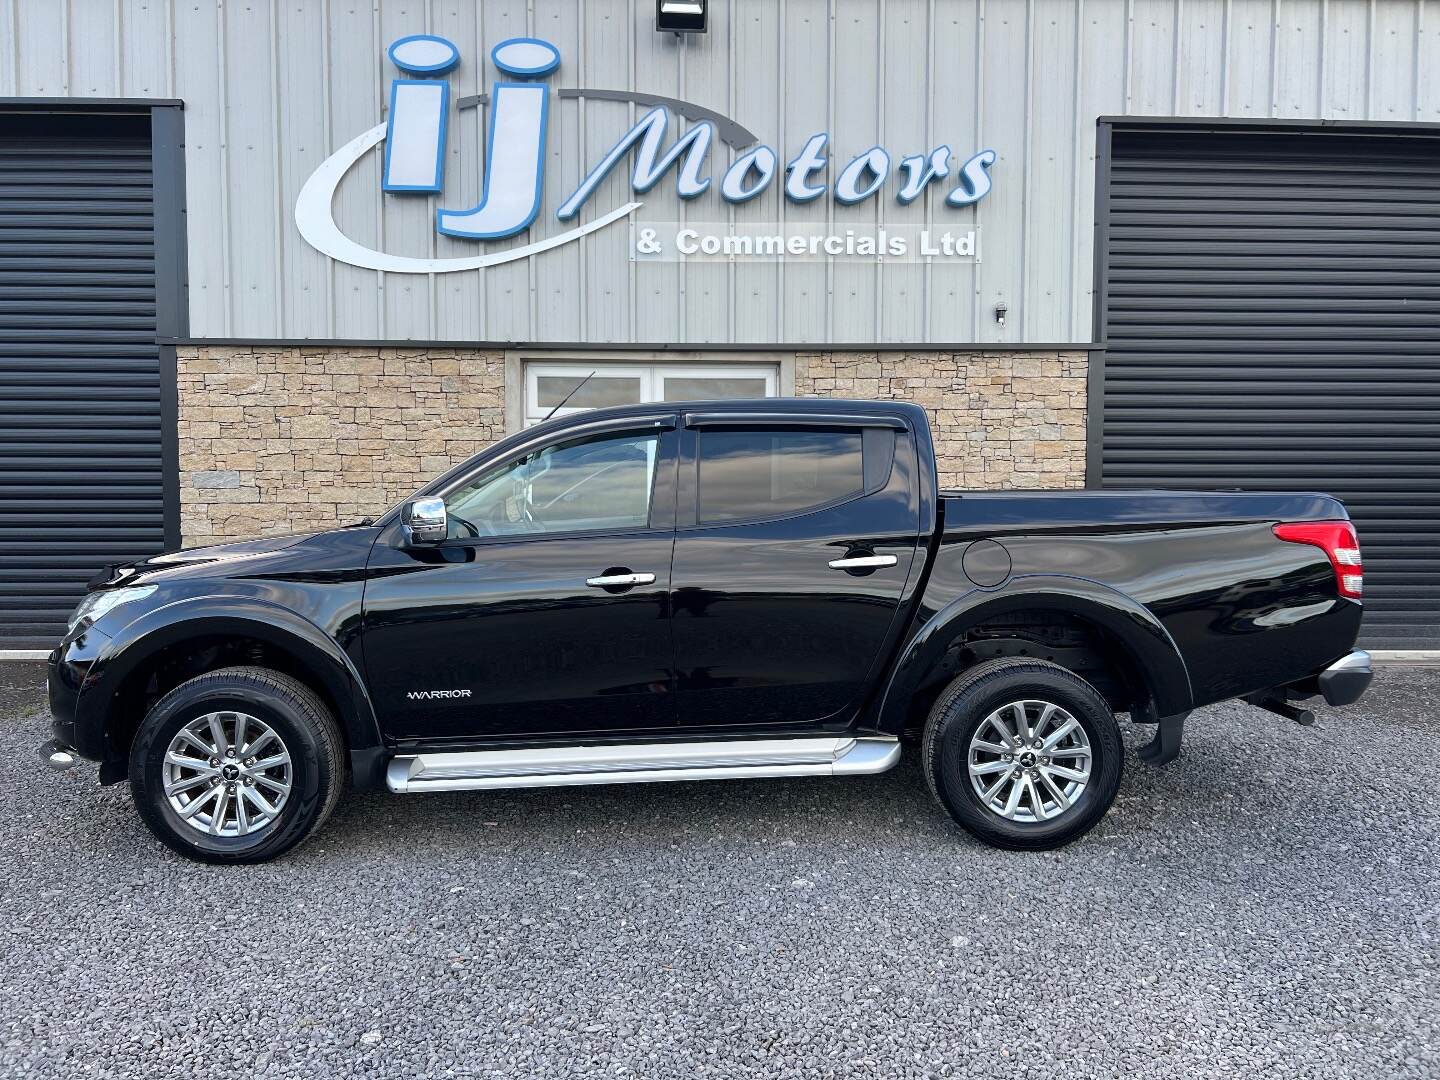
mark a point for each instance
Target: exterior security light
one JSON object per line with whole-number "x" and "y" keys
{"x": 680, "y": 16}
{"x": 1001, "y": 310}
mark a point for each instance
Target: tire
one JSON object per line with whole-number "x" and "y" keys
{"x": 967, "y": 707}
{"x": 312, "y": 776}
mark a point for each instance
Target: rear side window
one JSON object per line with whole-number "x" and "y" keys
{"x": 771, "y": 472}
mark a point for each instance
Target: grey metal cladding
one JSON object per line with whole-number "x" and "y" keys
{"x": 272, "y": 88}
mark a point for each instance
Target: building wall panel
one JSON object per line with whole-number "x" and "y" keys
{"x": 95, "y": 53}
{"x": 955, "y": 121}
{"x": 757, "y": 308}
{"x": 608, "y": 64}
{"x": 200, "y": 81}
{"x": 1200, "y": 58}
{"x": 1298, "y": 27}
{"x": 854, "y": 127}
{"x": 42, "y": 46}
{"x": 1427, "y": 64}
{"x": 1251, "y": 54}
{"x": 273, "y": 86}
{"x": 1152, "y": 56}
{"x": 1394, "y": 50}
{"x": 1005, "y": 128}
{"x": 708, "y": 75}
{"x": 656, "y": 300}
{"x": 906, "y": 123}
{"x": 300, "y": 107}
{"x": 556, "y": 274}
{"x": 145, "y": 54}
{"x": 806, "y": 90}
{"x": 1050, "y": 223}
{"x": 258, "y": 236}
{"x": 1345, "y": 76}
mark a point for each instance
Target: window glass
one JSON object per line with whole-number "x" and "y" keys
{"x": 594, "y": 393}
{"x": 601, "y": 482}
{"x": 765, "y": 473}
{"x": 703, "y": 387}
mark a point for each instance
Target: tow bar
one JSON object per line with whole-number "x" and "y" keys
{"x": 1303, "y": 717}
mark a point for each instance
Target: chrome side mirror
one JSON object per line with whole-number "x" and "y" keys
{"x": 424, "y": 522}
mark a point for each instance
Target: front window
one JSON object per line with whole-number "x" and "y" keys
{"x": 599, "y": 483}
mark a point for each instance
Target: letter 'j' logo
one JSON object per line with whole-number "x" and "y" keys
{"x": 414, "y": 133}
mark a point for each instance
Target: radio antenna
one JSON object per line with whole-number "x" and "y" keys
{"x": 568, "y": 396}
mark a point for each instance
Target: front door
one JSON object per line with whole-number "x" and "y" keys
{"x": 546, "y": 611}
{"x": 794, "y": 544}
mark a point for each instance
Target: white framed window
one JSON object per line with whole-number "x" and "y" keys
{"x": 547, "y": 384}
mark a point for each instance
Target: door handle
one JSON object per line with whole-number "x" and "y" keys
{"x": 863, "y": 562}
{"x": 611, "y": 581}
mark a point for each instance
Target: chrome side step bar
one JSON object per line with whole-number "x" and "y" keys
{"x": 565, "y": 766}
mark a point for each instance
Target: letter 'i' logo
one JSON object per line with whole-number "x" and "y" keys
{"x": 514, "y": 149}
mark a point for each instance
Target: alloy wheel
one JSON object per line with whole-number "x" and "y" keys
{"x": 1029, "y": 761}
{"x": 227, "y": 774}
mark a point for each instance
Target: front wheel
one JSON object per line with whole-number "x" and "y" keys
{"x": 1024, "y": 754}
{"x": 237, "y": 765}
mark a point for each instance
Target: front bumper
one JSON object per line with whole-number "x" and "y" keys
{"x": 1345, "y": 681}
{"x": 69, "y": 676}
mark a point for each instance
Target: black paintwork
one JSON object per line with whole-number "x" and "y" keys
{"x": 746, "y": 628}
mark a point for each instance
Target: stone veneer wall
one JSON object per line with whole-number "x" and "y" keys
{"x": 276, "y": 440}
{"x": 1000, "y": 420}
{"x": 279, "y": 439}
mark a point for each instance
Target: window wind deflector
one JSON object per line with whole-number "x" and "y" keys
{"x": 791, "y": 420}
{"x": 640, "y": 422}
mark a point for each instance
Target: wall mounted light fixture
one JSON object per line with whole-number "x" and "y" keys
{"x": 680, "y": 16}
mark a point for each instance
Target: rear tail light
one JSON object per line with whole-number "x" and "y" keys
{"x": 1337, "y": 539}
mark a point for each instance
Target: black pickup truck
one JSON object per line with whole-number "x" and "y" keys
{"x": 698, "y": 591}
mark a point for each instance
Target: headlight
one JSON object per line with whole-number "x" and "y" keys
{"x": 96, "y": 604}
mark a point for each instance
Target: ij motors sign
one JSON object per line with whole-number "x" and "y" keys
{"x": 415, "y": 130}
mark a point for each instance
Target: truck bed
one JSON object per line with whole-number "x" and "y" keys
{"x": 1149, "y": 507}
{"x": 1244, "y": 609}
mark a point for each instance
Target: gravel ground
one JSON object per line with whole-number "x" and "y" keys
{"x": 1268, "y": 905}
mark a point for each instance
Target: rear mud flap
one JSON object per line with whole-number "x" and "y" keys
{"x": 1165, "y": 746}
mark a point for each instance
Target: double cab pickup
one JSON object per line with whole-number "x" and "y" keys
{"x": 696, "y": 591}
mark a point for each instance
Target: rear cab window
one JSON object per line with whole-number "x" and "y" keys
{"x": 772, "y": 471}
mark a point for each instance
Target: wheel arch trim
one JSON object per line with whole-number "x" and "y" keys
{"x": 1149, "y": 645}
{"x": 249, "y": 617}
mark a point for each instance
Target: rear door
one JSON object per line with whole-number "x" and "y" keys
{"x": 796, "y": 536}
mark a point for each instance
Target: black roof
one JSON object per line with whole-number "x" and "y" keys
{"x": 795, "y": 405}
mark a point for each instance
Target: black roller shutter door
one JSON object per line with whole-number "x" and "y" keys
{"x": 81, "y": 477}
{"x": 1271, "y": 301}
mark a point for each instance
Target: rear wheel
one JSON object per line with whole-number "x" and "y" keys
{"x": 1024, "y": 754}
{"x": 237, "y": 765}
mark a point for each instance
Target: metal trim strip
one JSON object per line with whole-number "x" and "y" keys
{"x": 643, "y": 763}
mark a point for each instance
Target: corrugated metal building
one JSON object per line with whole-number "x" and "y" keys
{"x": 1140, "y": 242}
